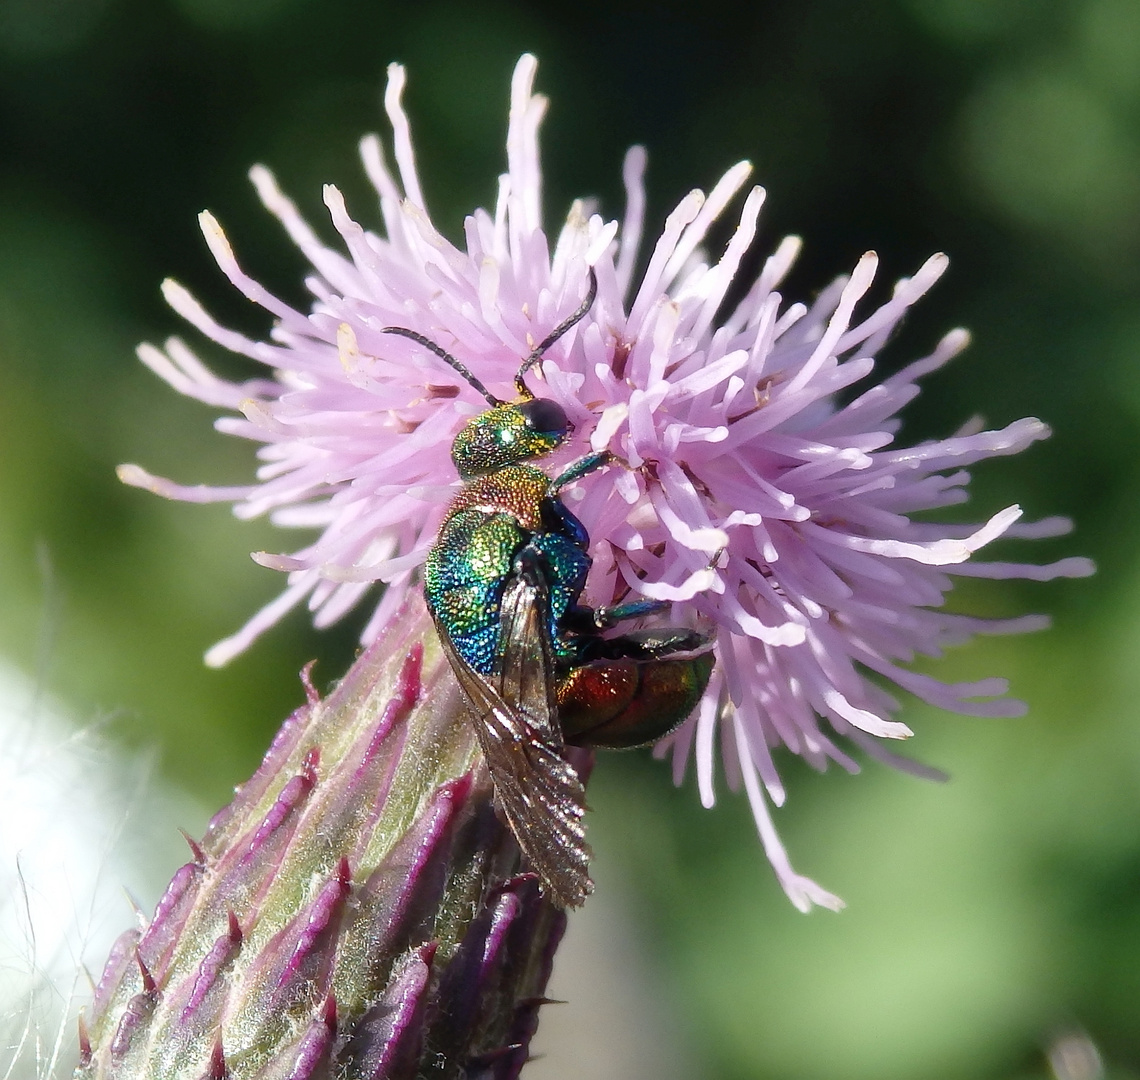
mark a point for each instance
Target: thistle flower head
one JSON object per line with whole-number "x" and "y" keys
{"x": 765, "y": 498}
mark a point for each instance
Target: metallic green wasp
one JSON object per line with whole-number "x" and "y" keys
{"x": 503, "y": 582}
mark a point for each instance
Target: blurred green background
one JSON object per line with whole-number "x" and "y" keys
{"x": 988, "y": 916}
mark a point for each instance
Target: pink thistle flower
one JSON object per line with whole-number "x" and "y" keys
{"x": 757, "y": 502}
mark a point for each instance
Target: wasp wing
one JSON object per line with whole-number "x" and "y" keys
{"x": 516, "y": 721}
{"x": 525, "y": 658}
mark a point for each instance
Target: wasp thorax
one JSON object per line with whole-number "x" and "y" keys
{"x": 507, "y": 434}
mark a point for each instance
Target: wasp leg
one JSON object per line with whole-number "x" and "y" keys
{"x": 606, "y": 617}
{"x": 577, "y": 469}
{"x": 584, "y": 620}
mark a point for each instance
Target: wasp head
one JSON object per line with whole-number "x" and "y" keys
{"x": 507, "y": 434}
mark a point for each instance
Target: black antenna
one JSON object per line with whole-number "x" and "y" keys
{"x": 447, "y": 358}
{"x": 555, "y": 334}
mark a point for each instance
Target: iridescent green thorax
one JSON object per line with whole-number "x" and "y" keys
{"x": 491, "y": 519}
{"x": 488, "y": 522}
{"x": 505, "y": 435}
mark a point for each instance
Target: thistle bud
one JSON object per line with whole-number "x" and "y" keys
{"x": 357, "y": 911}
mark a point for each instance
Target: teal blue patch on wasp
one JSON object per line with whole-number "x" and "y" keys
{"x": 503, "y": 583}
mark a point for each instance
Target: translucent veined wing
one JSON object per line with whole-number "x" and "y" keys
{"x": 516, "y": 721}
{"x": 525, "y": 658}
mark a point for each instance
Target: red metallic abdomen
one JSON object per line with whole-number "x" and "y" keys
{"x": 623, "y": 703}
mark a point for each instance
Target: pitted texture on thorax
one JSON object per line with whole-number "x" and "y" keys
{"x": 517, "y": 490}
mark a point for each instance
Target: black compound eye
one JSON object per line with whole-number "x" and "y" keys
{"x": 545, "y": 416}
